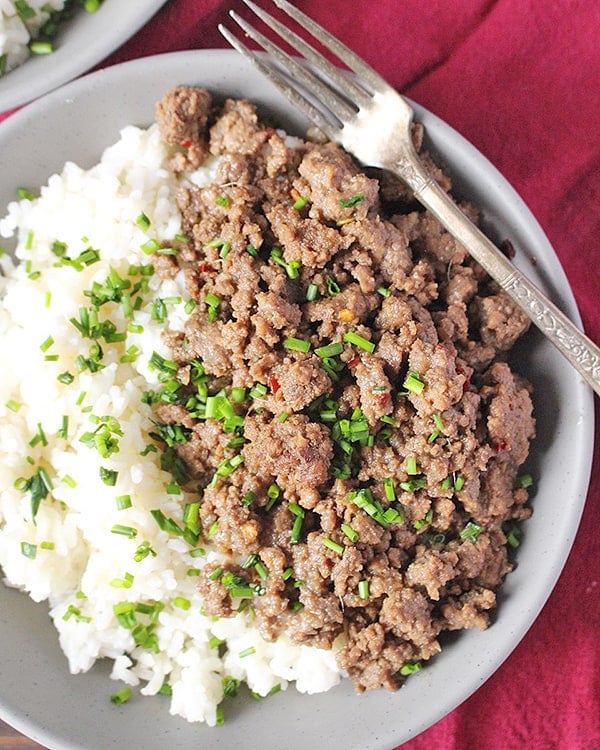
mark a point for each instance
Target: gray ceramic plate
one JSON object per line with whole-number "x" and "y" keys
{"x": 40, "y": 698}
{"x": 83, "y": 41}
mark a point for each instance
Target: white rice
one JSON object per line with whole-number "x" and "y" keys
{"x": 74, "y": 560}
{"x": 18, "y": 29}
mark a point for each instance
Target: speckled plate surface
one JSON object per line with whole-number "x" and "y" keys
{"x": 83, "y": 41}
{"x": 63, "y": 712}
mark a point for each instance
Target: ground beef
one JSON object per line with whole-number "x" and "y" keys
{"x": 340, "y": 398}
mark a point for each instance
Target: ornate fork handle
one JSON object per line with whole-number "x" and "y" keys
{"x": 581, "y": 351}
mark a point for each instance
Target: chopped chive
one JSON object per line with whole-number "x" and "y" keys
{"x": 123, "y": 502}
{"x": 353, "y": 338}
{"x": 182, "y": 602}
{"x": 29, "y": 550}
{"x": 413, "y": 383}
{"x": 127, "y": 531}
{"x": 411, "y": 668}
{"x": 13, "y": 405}
{"x": 350, "y": 532}
{"x": 300, "y": 202}
{"x": 459, "y": 483}
{"x": 46, "y": 344}
{"x": 333, "y": 288}
{"x": 258, "y": 390}
{"x": 513, "y": 536}
{"x": 25, "y": 194}
{"x": 411, "y": 466}
{"x": 421, "y": 522}
{"x": 292, "y": 268}
{"x": 247, "y": 652}
{"x": 363, "y": 589}
{"x": 143, "y": 221}
{"x": 389, "y": 489}
{"x": 142, "y": 552}
{"x": 238, "y": 394}
{"x": 39, "y": 47}
{"x": 330, "y": 350}
{"x": 471, "y": 531}
{"x": 353, "y": 201}
{"x": 122, "y": 696}
{"x": 150, "y": 247}
{"x": 312, "y": 292}
{"x": 108, "y": 476}
{"x": 333, "y": 546}
{"x": 383, "y": 291}
{"x": 299, "y": 345}
{"x": 123, "y": 583}
{"x": 524, "y": 481}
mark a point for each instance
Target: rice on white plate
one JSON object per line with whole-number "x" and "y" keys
{"x": 77, "y": 478}
{"x": 20, "y": 23}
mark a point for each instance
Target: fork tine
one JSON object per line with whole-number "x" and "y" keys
{"x": 275, "y": 76}
{"x": 352, "y": 90}
{"x": 340, "y": 108}
{"x": 324, "y": 95}
{"x": 346, "y": 55}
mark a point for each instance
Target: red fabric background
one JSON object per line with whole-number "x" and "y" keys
{"x": 521, "y": 80}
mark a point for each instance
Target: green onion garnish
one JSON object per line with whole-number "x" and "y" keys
{"x": 353, "y": 338}
{"x": 298, "y": 345}
{"x": 333, "y": 546}
{"x": 413, "y": 383}
{"x": 127, "y": 531}
{"x": 143, "y": 221}
{"x": 471, "y": 531}
{"x": 524, "y": 481}
{"x": 122, "y": 696}
{"x": 411, "y": 465}
{"x": 29, "y": 550}
{"x": 350, "y": 532}
{"x": 311, "y": 292}
{"x": 353, "y": 201}
{"x": 363, "y": 589}
{"x": 123, "y": 502}
{"x": 330, "y": 350}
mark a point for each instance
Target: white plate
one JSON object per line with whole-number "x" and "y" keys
{"x": 40, "y": 698}
{"x": 83, "y": 41}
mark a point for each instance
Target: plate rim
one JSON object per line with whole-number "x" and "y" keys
{"x": 585, "y": 397}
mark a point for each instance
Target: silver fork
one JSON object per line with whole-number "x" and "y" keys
{"x": 373, "y": 122}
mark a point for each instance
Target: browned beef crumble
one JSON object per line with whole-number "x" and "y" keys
{"x": 365, "y": 493}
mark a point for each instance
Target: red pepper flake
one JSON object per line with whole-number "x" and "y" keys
{"x": 382, "y": 397}
{"x": 274, "y": 384}
{"x": 187, "y": 143}
{"x": 204, "y": 267}
{"x": 353, "y": 362}
{"x": 500, "y": 446}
